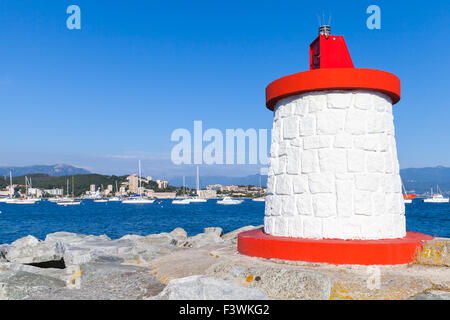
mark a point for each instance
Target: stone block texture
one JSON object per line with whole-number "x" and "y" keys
{"x": 334, "y": 171}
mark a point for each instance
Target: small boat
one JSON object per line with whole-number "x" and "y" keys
{"x": 22, "y": 201}
{"x": 115, "y": 199}
{"x": 436, "y": 197}
{"x": 181, "y": 201}
{"x": 407, "y": 197}
{"x": 197, "y": 199}
{"x": 138, "y": 200}
{"x": 68, "y": 202}
{"x": 6, "y": 200}
{"x": 228, "y": 200}
{"x": 100, "y": 200}
{"x": 261, "y": 199}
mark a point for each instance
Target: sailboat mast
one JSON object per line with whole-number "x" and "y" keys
{"x": 139, "y": 184}
{"x": 11, "y": 184}
{"x": 198, "y": 181}
{"x": 73, "y": 187}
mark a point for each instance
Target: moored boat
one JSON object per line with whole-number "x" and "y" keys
{"x": 436, "y": 197}
{"x": 228, "y": 201}
{"x": 181, "y": 201}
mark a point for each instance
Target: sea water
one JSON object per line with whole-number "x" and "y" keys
{"x": 116, "y": 219}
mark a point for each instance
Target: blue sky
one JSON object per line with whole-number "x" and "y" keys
{"x": 113, "y": 92}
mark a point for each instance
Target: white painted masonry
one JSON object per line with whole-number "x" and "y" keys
{"x": 334, "y": 170}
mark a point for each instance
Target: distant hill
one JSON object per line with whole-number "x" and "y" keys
{"x": 52, "y": 170}
{"x": 423, "y": 179}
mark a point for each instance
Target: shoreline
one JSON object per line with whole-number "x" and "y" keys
{"x": 177, "y": 266}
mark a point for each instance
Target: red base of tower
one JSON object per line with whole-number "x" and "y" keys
{"x": 256, "y": 243}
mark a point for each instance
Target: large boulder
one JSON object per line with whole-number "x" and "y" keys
{"x": 276, "y": 281}
{"x": 179, "y": 234}
{"x": 147, "y": 248}
{"x": 209, "y": 236}
{"x": 30, "y": 250}
{"x": 3, "y": 251}
{"x": 234, "y": 234}
{"x": 80, "y": 248}
{"x": 435, "y": 252}
{"x": 201, "y": 287}
{"x": 15, "y": 285}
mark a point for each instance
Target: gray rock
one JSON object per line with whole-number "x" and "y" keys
{"x": 216, "y": 230}
{"x": 131, "y": 237}
{"x": 80, "y": 248}
{"x": 133, "y": 285}
{"x": 210, "y": 236}
{"x": 65, "y": 237}
{"x": 432, "y": 296}
{"x": 31, "y": 250}
{"x": 180, "y": 234}
{"x": 277, "y": 282}
{"x": 147, "y": 248}
{"x": 3, "y": 251}
{"x": 201, "y": 287}
{"x": 234, "y": 234}
{"x": 16, "y": 285}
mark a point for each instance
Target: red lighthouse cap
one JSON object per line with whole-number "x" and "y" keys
{"x": 331, "y": 68}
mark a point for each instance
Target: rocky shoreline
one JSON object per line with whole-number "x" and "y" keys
{"x": 205, "y": 266}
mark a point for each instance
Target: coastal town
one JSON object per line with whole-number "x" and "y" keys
{"x": 130, "y": 186}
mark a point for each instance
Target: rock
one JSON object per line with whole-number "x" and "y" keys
{"x": 234, "y": 234}
{"x": 215, "y": 230}
{"x": 432, "y": 296}
{"x": 180, "y": 234}
{"x": 147, "y": 248}
{"x": 15, "y": 285}
{"x": 80, "y": 248}
{"x": 137, "y": 285}
{"x": 277, "y": 282}
{"x": 203, "y": 239}
{"x": 132, "y": 237}
{"x": 3, "y": 251}
{"x": 65, "y": 237}
{"x": 435, "y": 252}
{"x": 31, "y": 250}
{"x": 201, "y": 287}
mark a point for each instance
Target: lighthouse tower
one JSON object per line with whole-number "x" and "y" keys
{"x": 334, "y": 189}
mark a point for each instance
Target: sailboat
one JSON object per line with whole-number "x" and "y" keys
{"x": 115, "y": 198}
{"x": 407, "y": 198}
{"x": 197, "y": 199}
{"x": 138, "y": 199}
{"x": 436, "y": 197}
{"x": 260, "y": 199}
{"x": 68, "y": 201}
{"x": 26, "y": 199}
{"x": 182, "y": 200}
{"x": 10, "y": 198}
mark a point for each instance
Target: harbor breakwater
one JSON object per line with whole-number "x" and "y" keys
{"x": 205, "y": 266}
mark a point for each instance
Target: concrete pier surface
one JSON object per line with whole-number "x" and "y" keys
{"x": 205, "y": 266}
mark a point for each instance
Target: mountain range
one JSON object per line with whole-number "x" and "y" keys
{"x": 56, "y": 170}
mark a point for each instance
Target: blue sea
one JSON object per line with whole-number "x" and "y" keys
{"x": 116, "y": 219}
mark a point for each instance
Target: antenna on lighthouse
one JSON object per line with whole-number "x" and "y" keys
{"x": 324, "y": 30}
